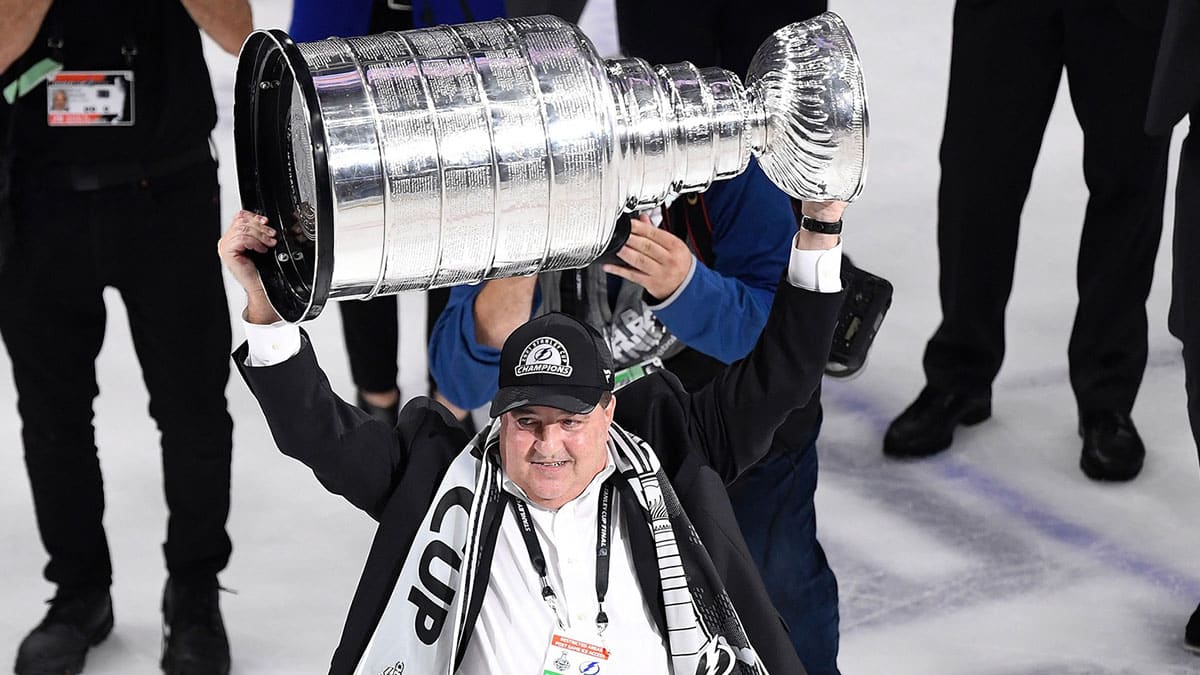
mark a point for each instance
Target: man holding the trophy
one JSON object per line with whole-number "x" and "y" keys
{"x": 547, "y": 459}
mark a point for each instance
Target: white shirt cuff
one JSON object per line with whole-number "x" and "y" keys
{"x": 819, "y": 270}
{"x": 270, "y": 344}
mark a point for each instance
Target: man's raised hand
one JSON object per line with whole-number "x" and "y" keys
{"x": 249, "y": 232}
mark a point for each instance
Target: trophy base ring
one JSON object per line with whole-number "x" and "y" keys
{"x": 297, "y": 273}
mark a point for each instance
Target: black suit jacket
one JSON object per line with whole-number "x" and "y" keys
{"x": 1176, "y": 87}
{"x": 704, "y": 440}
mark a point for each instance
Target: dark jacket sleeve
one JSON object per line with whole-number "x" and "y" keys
{"x": 735, "y": 416}
{"x": 351, "y": 454}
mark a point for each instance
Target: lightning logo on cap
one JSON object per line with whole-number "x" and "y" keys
{"x": 545, "y": 355}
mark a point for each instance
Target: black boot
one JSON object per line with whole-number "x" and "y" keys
{"x": 1191, "y": 636}
{"x": 77, "y": 620}
{"x": 927, "y": 426}
{"x": 194, "y": 640}
{"x": 1112, "y": 448}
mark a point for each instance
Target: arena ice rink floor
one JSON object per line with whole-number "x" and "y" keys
{"x": 995, "y": 558}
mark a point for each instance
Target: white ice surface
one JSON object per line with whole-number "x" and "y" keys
{"x": 997, "y": 557}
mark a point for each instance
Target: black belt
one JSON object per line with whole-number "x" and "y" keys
{"x": 85, "y": 177}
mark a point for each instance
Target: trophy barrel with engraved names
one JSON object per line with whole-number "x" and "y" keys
{"x": 450, "y": 155}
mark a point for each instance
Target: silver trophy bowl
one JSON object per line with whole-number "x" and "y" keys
{"x": 449, "y": 155}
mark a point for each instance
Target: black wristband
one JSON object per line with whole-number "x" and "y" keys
{"x": 820, "y": 226}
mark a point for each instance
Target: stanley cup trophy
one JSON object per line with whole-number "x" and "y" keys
{"x": 455, "y": 154}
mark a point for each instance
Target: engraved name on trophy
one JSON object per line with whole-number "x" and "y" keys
{"x": 450, "y": 155}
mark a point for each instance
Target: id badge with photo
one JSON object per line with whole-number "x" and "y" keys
{"x": 575, "y": 654}
{"x": 90, "y": 98}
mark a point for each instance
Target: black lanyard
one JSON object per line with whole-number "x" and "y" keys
{"x": 604, "y": 528}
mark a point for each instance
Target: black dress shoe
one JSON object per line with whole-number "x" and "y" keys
{"x": 1191, "y": 635}
{"x": 927, "y": 426}
{"x": 76, "y": 621}
{"x": 194, "y": 640}
{"x": 1112, "y": 449}
{"x": 389, "y": 415}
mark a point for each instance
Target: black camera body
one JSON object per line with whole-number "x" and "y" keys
{"x": 867, "y": 300}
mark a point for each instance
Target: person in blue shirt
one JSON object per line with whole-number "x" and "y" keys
{"x": 319, "y": 19}
{"x": 693, "y": 302}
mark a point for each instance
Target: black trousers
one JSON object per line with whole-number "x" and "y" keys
{"x": 1185, "y": 272}
{"x": 1007, "y": 58}
{"x": 153, "y": 241}
{"x": 371, "y": 328}
{"x": 723, "y": 33}
{"x": 569, "y": 10}
{"x": 372, "y": 332}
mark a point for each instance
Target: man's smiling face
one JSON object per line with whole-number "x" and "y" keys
{"x": 553, "y": 454}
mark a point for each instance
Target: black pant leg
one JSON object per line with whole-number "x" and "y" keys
{"x": 52, "y": 318}
{"x": 160, "y": 251}
{"x": 723, "y": 33}
{"x": 669, "y": 31}
{"x": 1005, "y": 67}
{"x": 1185, "y": 272}
{"x": 570, "y": 10}
{"x": 742, "y": 26}
{"x": 372, "y": 335}
{"x": 1126, "y": 173}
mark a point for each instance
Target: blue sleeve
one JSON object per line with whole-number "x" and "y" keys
{"x": 465, "y": 371}
{"x": 723, "y": 309}
{"x": 437, "y": 12}
{"x": 319, "y": 19}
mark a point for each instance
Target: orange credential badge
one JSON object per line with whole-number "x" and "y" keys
{"x": 90, "y": 98}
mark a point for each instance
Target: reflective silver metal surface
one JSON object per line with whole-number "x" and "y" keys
{"x": 809, "y": 80}
{"x": 454, "y": 154}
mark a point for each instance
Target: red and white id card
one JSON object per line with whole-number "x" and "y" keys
{"x": 575, "y": 654}
{"x": 90, "y": 98}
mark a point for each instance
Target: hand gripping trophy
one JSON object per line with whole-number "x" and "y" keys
{"x": 448, "y": 155}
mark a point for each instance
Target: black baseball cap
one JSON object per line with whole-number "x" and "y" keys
{"x": 553, "y": 360}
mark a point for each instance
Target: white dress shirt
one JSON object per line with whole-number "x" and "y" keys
{"x": 514, "y": 626}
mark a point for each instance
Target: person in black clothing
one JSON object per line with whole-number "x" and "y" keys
{"x": 723, "y": 33}
{"x": 128, "y": 199}
{"x": 1176, "y": 93}
{"x": 1006, "y": 63}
